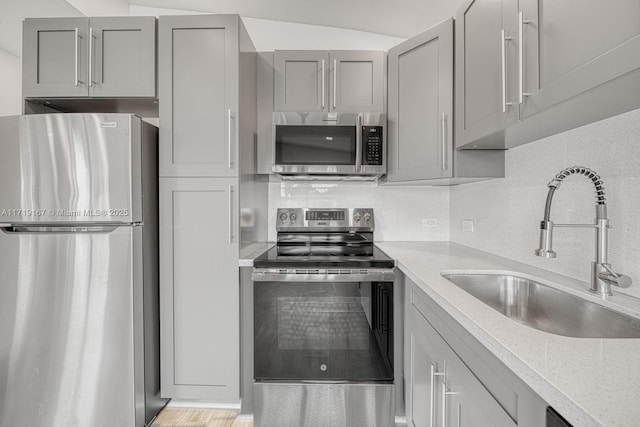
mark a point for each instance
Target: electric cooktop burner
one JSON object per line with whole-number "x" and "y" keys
{"x": 318, "y": 238}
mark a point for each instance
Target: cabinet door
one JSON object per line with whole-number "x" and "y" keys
{"x": 199, "y": 288}
{"x": 425, "y": 366}
{"x": 441, "y": 386}
{"x": 122, "y": 56}
{"x": 54, "y": 61}
{"x": 486, "y": 60}
{"x": 573, "y": 46}
{"x": 301, "y": 80}
{"x": 198, "y": 85}
{"x": 356, "y": 81}
{"x": 421, "y": 106}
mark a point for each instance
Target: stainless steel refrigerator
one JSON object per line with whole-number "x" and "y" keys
{"x": 79, "y": 322}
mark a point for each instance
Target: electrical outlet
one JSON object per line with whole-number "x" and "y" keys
{"x": 467, "y": 225}
{"x": 429, "y": 222}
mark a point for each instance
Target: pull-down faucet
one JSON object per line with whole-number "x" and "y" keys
{"x": 602, "y": 275}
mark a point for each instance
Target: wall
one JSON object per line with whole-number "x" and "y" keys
{"x": 507, "y": 212}
{"x": 398, "y": 210}
{"x": 10, "y": 84}
{"x": 268, "y": 35}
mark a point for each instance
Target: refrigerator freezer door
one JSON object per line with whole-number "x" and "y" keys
{"x": 62, "y": 168}
{"x": 68, "y": 318}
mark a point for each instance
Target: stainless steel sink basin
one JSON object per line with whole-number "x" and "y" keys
{"x": 545, "y": 308}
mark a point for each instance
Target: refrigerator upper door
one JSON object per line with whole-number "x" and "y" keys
{"x": 69, "y": 168}
{"x": 68, "y": 316}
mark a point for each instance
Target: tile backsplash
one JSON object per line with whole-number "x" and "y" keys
{"x": 399, "y": 211}
{"x": 507, "y": 212}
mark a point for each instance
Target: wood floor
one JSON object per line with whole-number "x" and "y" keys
{"x": 189, "y": 417}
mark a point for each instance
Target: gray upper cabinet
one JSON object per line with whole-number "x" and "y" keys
{"x": 529, "y": 69}
{"x": 198, "y": 85}
{"x": 421, "y": 118}
{"x": 356, "y": 81}
{"x": 420, "y": 113}
{"x": 300, "y": 80}
{"x": 340, "y": 81}
{"x": 486, "y": 49}
{"x": 572, "y": 46}
{"x": 89, "y": 57}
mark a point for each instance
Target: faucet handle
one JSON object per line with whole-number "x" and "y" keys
{"x": 613, "y": 278}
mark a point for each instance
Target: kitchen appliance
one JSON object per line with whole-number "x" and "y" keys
{"x": 324, "y": 145}
{"x": 79, "y": 322}
{"x": 323, "y": 323}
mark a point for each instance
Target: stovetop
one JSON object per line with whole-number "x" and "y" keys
{"x": 271, "y": 259}
{"x": 324, "y": 238}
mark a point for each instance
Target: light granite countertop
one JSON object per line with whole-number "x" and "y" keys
{"x": 252, "y": 251}
{"x": 591, "y": 382}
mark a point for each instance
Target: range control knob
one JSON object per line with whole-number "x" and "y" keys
{"x": 356, "y": 218}
{"x": 283, "y": 216}
{"x": 293, "y": 216}
{"x": 367, "y": 217}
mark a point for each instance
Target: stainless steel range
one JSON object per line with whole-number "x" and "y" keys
{"x": 323, "y": 323}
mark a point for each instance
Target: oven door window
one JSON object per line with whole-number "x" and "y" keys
{"x": 315, "y": 145}
{"x": 321, "y": 331}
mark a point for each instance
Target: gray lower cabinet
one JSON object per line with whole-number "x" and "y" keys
{"x": 421, "y": 119}
{"x": 451, "y": 380}
{"x": 441, "y": 390}
{"x": 199, "y": 66}
{"x": 89, "y": 57}
{"x": 199, "y": 289}
{"x": 330, "y": 81}
{"x": 529, "y": 69}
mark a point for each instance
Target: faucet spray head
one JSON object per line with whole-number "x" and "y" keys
{"x": 546, "y": 240}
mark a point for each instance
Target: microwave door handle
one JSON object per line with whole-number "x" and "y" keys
{"x": 358, "y": 143}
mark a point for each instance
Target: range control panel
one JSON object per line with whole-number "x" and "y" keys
{"x": 333, "y": 218}
{"x": 372, "y": 140}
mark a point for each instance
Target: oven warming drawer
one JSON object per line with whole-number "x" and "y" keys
{"x": 323, "y": 274}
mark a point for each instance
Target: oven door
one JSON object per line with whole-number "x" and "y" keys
{"x": 323, "y": 331}
{"x": 316, "y": 143}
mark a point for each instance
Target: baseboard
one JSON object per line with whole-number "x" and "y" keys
{"x": 202, "y": 404}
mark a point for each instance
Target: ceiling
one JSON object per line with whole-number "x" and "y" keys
{"x": 398, "y": 18}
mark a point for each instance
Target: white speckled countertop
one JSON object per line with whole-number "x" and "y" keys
{"x": 591, "y": 382}
{"x": 250, "y": 252}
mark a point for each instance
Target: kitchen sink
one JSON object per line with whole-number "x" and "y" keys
{"x": 545, "y": 308}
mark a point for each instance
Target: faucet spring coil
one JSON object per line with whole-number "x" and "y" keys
{"x": 594, "y": 177}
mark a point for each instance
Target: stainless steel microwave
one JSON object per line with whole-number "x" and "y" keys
{"x": 347, "y": 145}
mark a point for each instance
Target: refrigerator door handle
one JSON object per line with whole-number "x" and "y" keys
{"x": 89, "y": 228}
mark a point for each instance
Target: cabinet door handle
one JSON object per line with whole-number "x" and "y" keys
{"x": 503, "y": 48}
{"x": 322, "y": 88}
{"x": 91, "y": 37}
{"x": 446, "y": 393}
{"x": 77, "y": 54}
{"x": 521, "y": 92}
{"x": 229, "y": 137}
{"x": 432, "y": 395}
{"x": 230, "y": 214}
{"x": 444, "y": 141}
{"x": 335, "y": 81}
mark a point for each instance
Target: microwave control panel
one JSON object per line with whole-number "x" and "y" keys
{"x": 372, "y": 141}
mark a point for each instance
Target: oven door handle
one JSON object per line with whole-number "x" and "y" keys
{"x": 323, "y": 275}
